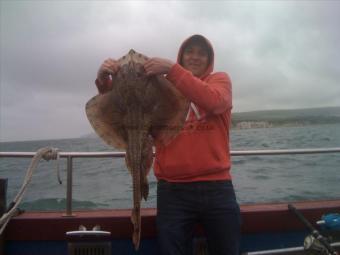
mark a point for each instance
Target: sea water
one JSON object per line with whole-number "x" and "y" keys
{"x": 106, "y": 183}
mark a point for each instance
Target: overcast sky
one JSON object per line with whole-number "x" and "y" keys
{"x": 280, "y": 55}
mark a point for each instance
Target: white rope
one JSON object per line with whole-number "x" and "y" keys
{"x": 54, "y": 155}
{"x": 45, "y": 153}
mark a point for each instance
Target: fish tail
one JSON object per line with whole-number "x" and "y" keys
{"x": 137, "y": 189}
{"x": 134, "y": 159}
{"x": 136, "y": 221}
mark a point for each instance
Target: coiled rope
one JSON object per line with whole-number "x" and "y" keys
{"x": 47, "y": 154}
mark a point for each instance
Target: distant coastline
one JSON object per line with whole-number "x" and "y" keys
{"x": 286, "y": 118}
{"x": 259, "y": 119}
{"x": 279, "y": 118}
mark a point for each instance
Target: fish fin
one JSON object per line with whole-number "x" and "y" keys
{"x": 145, "y": 187}
{"x": 147, "y": 160}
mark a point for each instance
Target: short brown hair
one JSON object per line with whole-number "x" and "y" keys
{"x": 197, "y": 40}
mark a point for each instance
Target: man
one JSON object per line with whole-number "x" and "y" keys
{"x": 193, "y": 170}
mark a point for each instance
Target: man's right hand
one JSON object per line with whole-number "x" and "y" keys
{"x": 109, "y": 67}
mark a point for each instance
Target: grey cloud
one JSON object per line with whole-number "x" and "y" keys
{"x": 276, "y": 54}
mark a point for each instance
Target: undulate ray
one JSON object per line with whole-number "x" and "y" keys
{"x": 138, "y": 112}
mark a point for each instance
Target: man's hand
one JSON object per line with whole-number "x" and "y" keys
{"x": 109, "y": 67}
{"x": 155, "y": 66}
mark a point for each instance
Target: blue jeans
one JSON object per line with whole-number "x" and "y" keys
{"x": 180, "y": 206}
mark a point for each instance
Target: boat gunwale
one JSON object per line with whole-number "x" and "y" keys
{"x": 265, "y": 217}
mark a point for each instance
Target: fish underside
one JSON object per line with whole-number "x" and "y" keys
{"x": 138, "y": 112}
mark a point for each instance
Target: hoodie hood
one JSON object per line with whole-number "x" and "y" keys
{"x": 198, "y": 39}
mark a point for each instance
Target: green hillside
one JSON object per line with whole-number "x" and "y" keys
{"x": 294, "y": 117}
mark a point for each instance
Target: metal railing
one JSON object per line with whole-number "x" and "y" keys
{"x": 71, "y": 155}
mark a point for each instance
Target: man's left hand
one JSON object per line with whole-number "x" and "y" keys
{"x": 156, "y": 66}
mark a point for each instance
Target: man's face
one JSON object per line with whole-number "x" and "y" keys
{"x": 195, "y": 58}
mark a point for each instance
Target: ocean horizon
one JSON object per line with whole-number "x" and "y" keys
{"x": 106, "y": 183}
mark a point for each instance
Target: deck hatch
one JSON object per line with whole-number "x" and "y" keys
{"x": 89, "y": 242}
{"x": 89, "y": 248}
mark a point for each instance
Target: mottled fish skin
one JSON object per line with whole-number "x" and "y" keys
{"x": 137, "y": 124}
{"x": 138, "y": 112}
{"x": 134, "y": 160}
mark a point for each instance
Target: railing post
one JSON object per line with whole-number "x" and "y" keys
{"x": 3, "y": 206}
{"x": 69, "y": 185}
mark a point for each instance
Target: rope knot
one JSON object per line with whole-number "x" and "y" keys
{"x": 51, "y": 154}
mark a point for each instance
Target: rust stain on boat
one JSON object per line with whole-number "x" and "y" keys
{"x": 138, "y": 112}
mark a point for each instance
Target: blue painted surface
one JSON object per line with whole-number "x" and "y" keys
{"x": 250, "y": 242}
{"x": 269, "y": 241}
{"x": 35, "y": 247}
{"x": 121, "y": 247}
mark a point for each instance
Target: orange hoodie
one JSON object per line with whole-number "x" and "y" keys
{"x": 200, "y": 152}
